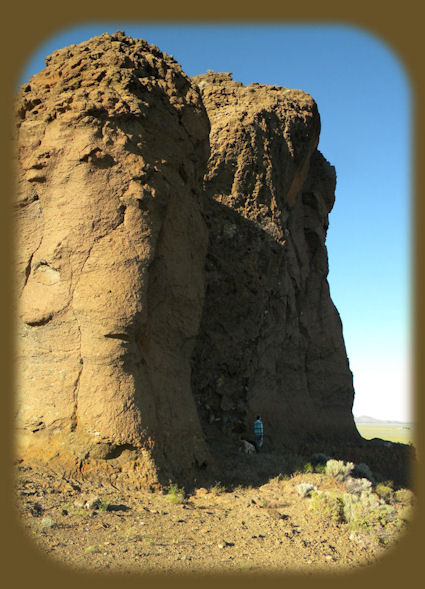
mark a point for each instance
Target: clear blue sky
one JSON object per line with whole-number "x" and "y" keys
{"x": 363, "y": 94}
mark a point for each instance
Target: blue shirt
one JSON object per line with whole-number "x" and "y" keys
{"x": 258, "y": 427}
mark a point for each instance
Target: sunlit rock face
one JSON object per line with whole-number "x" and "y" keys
{"x": 112, "y": 141}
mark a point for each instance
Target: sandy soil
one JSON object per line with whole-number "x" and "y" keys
{"x": 264, "y": 528}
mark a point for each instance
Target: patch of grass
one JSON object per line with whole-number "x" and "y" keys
{"x": 94, "y": 549}
{"x": 282, "y": 477}
{"x": 130, "y": 533}
{"x": 47, "y": 522}
{"x": 307, "y": 468}
{"x": 175, "y": 493}
{"x": 104, "y": 506}
{"x": 80, "y": 512}
{"x": 239, "y": 489}
{"x": 217, "y": 488}
{"x": 76, "y": 510}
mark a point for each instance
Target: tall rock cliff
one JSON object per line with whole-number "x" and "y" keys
{"x": 270, "y": 340}
{"x": 112, "y": 144}
{"x": 172, "y": 282}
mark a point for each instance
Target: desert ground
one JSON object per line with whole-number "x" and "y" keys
{"x": 271, "y": 526}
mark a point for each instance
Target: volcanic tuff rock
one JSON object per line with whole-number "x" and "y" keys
{"x": 270, "y": 340}
{"x": 164, "y": 299}
{"x": 112, "y": 146}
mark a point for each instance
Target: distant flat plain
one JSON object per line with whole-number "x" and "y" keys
{"x": 393, "y": 432}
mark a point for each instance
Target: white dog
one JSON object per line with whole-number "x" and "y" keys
{"x": 247, "y": 447}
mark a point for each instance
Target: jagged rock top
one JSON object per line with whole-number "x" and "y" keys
{"x": 227, "y": 99}
{"x": 112, "y": 75}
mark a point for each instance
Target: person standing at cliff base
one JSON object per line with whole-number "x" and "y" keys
{"x": 258, "y": 432}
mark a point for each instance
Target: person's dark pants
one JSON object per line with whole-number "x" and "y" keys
{"x": 258, "y": 442}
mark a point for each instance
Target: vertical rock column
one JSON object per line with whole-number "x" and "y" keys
{"x": 270, "y": 341}
{"x": 112, "y": 143}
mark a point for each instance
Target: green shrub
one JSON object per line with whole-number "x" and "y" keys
{"x": 404, "y": 496}
{"x": 357, "y": 509}
{"x": 305, "y": 489}
{"x": 404, "y": 499}
{"x": 175, "y": 494}
{"x": 358, "y": 486}
{"x": 47, "y": 522}
{"x": 384, "y": 492}
{"x": 371, "y": 516}
{"x": 405, "y": 513}
{"x": 307, "y": 468}
{"x": 368, "y": 516}
{"x": 329, "y": 504}
{"x": 282, "y": 477}
{"x": 338, "y": 469}
{"x": 319, "y": 459}
{"x": 103, "y": 505}
{"x": 362, "y": 471}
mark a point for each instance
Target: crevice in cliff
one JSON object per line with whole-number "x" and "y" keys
{"x": 74, "y": 416}
{"x": 119, "y": 336}
{"x": 28, "y": 268}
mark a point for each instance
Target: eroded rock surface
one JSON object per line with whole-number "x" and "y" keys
{"x": 271, "y": 339}
{"x": 112, "y": 146}
{"x": 164, "y": 298}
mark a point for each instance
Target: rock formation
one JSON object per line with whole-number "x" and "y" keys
{"x": 271, "y": 340}
{"x": 112, "y": 146}
{"x": 164, "y": 298}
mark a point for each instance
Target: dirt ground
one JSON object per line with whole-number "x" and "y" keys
{"x": 269, "y": 527}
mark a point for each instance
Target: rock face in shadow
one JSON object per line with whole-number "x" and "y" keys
{"x": 112, "y": 144}
{"x": 270, "y": 341}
